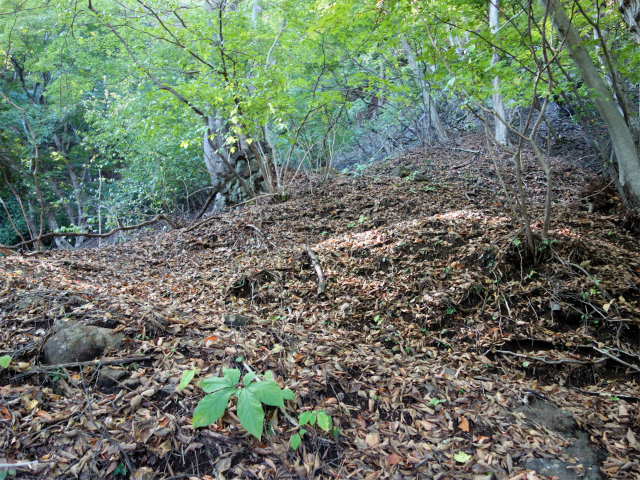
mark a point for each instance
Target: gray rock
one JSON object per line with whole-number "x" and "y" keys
{"x": 550, "y": 467}
{"x": 562, "y": 422}
{"x": 110, "y": 376}
{"x": 550, "y": 416}
{"x": 420, "y": 177}
{"x": 235, "y": 320}
{"x": 254, "y": 166}
{"x": 243, "y": 169}
{"x": 131, "y": 383}
{"x": 400, "y": 171}
{"x": 79, "y": 343}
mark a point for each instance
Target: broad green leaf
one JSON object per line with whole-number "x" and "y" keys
{"x": 324, "y": 421}
{"x": 187, "y": 376}
{"x": 305, "y": 417}
{"x": 268, "y": 393}
{"x": 287, "y": 394}
{"x": 231, "y": 374}
{"x": 5, "y": 360}
{"x": 295, "y": 441}
{"x": 302, "y": 431}
{"x": 250, "y": 412}
{"x": 211, "y": 407}
{"x": 462, "y": 457}
{"x": 214, "y": 384}
{"x": 248, "y": 378}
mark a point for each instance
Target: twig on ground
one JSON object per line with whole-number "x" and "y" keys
{"x": 267, "y": 195}
{"x": 464, "y": 150}
{"x": 104, "y": 361}
{"x": 198, "y": 224}
{"x": 318, "y": 268}
{"x": 456, "y": 167}
{"x": 613, "y": 357}
{"x": 608, "y": 395}
{"x": 11, "y": 466}
{"x": 104, "y": 432}
{"x": 549, "y": 362}
{"x": 155, "y": 219}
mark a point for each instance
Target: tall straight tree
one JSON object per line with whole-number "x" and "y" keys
{"x": 621, "y": 136}
{"x": 498, "y": 104}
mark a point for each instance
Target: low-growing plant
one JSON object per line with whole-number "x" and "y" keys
{"x": 5, "y": 360}
{"x": 251, "y": 395}
{"x": 311, "y": 418}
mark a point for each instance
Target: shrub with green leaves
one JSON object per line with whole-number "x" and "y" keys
{"x": 251, "y": 395}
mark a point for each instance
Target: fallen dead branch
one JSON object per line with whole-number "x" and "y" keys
{"x": 155, "y": 219}
{"x": 318, "y": 269}
{"x": 11, "y": 466}
{"x": 613, "y": 357}
{"x": 104, "y": 361}
{"x": 608, "y": 395}
{"x": 198, "y": 224}
{"x": 548, "y": 362}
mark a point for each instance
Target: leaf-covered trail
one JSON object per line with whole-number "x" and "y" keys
{"x": 434, "y": 329}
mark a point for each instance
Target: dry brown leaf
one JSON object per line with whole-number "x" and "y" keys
{"x": 464, "y": 424}
{"x": 372, "y": 439}
{"x": 393, "y": 459}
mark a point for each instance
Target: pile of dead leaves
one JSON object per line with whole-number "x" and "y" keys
{"x": 434, "y": 329}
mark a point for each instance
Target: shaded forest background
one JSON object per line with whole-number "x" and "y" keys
{"x": 116, "y": 112}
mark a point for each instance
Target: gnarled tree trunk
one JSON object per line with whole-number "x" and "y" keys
{"x": 630, "y": 12}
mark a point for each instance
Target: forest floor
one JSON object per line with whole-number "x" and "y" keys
{"x": 435, "y": 334}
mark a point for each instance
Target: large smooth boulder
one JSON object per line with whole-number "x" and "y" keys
{"x": 79, "y": 343}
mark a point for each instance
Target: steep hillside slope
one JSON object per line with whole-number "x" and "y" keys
{"x": 436, "y": 347}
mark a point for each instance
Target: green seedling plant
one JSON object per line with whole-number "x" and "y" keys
{"x": 311, "y": 418}
{"x": 187, "y": 376}
{"x": 5, "y": 360}
{"x": 57, "y": 375}
{"x": 251, "y": 396}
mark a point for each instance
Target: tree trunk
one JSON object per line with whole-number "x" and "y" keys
{"x": 630, "y": 12}
{"x": 441, "y": 133}
{"x": 623, "y": 142}
{"x": 498, "y": 105}
{"x": 212, "y": 146}
{"x": 61, "y": 243}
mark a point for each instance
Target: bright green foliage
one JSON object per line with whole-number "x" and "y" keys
{"x": 5, "y": 360}
{"x": 317, "y": 416}
{"x": 296, "y": 439}
{"x": 312, "y": 418}
{"x": 187, "y": 376}
{"x": 251, "y": 395}
{"x": 462, "y": 457}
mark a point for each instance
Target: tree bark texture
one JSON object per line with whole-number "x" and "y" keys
{"x": 623, "y": 142}
{"x": 630, "y": 12}
{"x": 441, "y": 133}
